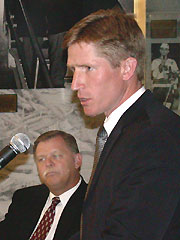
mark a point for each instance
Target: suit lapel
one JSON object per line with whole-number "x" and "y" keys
{"x": 69, "y": 221}
{"x": 40, "y": 201}
{"x": 37, "y": 200}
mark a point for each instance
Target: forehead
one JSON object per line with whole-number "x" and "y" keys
{"x": 164, "y": 46}
{"x": 83, "y": 49}
{"x": 51, "y": 144}
{"x": 83, "y": 45}
{"x": 86, "y": 54}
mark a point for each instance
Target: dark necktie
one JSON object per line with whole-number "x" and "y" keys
{"x": 100, "y": 141}
{"x": 46, "y": 222}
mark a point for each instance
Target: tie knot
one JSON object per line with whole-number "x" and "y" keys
{"x": 55, "y": 201}
{"x": 102, "y": 133}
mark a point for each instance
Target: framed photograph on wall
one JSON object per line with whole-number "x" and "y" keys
{"x": 165, "y": 73}
{"x": 163, "y": 58}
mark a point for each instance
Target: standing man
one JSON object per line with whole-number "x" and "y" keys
{"x": 135, "y": 190}
{"x": 58, "y": 162}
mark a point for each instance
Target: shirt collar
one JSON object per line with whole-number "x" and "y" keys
{"x": 113, "y": 118}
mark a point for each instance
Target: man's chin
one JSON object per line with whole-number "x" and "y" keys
{"x": 91, "y": 113}
{"x": 51, "y": 180}
{"x": 88, "y": 112}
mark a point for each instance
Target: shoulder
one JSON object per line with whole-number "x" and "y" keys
{"x": 171, "y": 61}
{"x": 30, "y": 190}
{"x": 80, "y": 191}
{"x": 147, "y": 116}
{"x": 156, "y": 60}
{"x": 83, "y": 182}
{"x": 82, "y": 187}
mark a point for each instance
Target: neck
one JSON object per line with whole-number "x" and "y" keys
{"x": 58, "y": 191}
{"x": 130, "y": 90}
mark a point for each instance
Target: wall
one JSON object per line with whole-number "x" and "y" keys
{"x": 162, "y": 5}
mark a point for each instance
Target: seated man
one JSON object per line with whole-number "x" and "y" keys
{"x": 58, "y": 162}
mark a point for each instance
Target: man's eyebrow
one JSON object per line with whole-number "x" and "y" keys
{"x": 77, "y": 65}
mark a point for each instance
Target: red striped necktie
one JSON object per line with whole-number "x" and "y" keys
{"x": 46, "y": 222}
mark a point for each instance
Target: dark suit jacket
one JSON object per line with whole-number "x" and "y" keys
{"x": 25, "y": 210}
{"x": 135, "y": 192}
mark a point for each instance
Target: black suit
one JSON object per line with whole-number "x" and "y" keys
{"x": 135, "y": 192}
{"x": 25, "y": 210}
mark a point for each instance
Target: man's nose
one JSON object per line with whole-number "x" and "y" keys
{"x": 49, "y": 161}
{"x": 76, "y": 81}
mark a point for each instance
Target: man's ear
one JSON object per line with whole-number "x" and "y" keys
{"x": 77, "y": 160}
{"x": 128, "y": 67}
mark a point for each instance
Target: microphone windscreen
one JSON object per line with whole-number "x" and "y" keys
{"x": 20, "y": 142}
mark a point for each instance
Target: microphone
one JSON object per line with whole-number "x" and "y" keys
{"x": 18, "y": 144}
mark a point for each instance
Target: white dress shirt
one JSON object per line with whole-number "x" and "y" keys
{"x": 64, "y": 198}
{"x": 113, "y": 118}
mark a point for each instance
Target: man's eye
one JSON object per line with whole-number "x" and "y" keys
{"x": 40, "y": 159}
{"x": 56, "y": 156}
{"x": 89, "y": 68}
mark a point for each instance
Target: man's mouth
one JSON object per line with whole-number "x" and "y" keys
{"x": 84, "y": 101}
{"x": 49, "y": 173}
